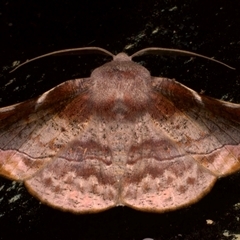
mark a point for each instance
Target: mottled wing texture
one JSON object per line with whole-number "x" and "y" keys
{"x": 191, "y": 140}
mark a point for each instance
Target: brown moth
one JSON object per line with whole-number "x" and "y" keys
{"x": 120, "y": 137}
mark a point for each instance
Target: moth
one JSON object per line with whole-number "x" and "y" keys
{"x": 120, "y": 137}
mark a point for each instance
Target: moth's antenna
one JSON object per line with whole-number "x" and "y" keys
{"x": 70, "y": 51}
{"x": 175, "y": 52}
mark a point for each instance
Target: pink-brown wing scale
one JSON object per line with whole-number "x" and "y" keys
{"x": 193, "y": 141}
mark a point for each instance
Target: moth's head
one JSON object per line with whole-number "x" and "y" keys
{"x": 121, "y": 70}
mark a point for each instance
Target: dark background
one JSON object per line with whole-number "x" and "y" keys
{"x": 31, "y": 28}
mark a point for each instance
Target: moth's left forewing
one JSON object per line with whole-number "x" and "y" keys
{"x": 32, "y": 132}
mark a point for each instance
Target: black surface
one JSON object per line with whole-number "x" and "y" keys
{"x": 31, "y": 28}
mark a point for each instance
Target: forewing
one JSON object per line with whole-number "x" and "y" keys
{"x": 189, "y": 141}
{"x": 32, "y": 132}
{"x": 206, "y": 128}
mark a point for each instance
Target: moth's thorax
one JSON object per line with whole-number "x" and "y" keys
{"x": 120, "y": 87}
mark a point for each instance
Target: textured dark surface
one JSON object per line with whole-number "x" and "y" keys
{"x": 30, "y": 28}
